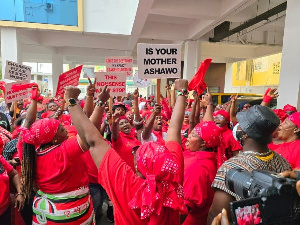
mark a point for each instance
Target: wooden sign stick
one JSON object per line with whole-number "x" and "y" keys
{"x": 158, "y": 91}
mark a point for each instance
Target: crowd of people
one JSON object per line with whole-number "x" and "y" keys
{"x": 152, "y": 162}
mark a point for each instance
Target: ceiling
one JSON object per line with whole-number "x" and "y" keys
{"x": 163, "y": 21}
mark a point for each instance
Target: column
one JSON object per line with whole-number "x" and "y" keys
{"x": 191, "y": 59}
{"x": 228, "y": 78}
{"x": 10, "y": 47}
{"x": 289, "y": 83}
{"x": 57, "y": 69}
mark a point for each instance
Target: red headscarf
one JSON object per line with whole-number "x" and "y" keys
{"x": 295, "y": 118}
{"x": 223, "y": 113}
{"x": 281, "y": 114}
{"x": 209, "y": 132}
{"x": 161, "y": 187}
{"x": 289, "y": 108}
{"x": 41, "y": 132}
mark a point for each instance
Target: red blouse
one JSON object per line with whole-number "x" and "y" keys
{"x": 4, "y": 184}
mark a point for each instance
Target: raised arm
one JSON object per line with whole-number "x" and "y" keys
{"x": 150, "y": 122}
{"x": 32, "y": 110}
{"x": 96, "y": 117}
{"x": 168, "y": 95}
{"x": 269, "y": 96}
{"x": 175, "y": 126}
{"x": 173, "y": 96}
{"x": 85, "y": 128}
{"x": 137, "y": 116}
{"x": 115, "y": 126}
{"x": 192, "y": 119}
{"x": 89, "y": 103}
{"x": 232, "y": 109}
{"x": 208, "y": 116}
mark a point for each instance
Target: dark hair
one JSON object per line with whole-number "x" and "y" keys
{"x": 116, "y": 106}
{"x": 28, "y": 169}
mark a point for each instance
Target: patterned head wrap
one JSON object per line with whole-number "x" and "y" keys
{"x": 295, "y": 118}
{"x": 41, "y": 132}
{"x": 161, "y": 187}
{"x": 209, "y": 132}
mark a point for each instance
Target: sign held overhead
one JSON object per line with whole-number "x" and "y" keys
{"x": 11, "y": 96}
{"x": 159, "y": 61}
{"x": 17, "y": 72}
{"x": 119, "y": 64}
{"x": 116, "y": 82}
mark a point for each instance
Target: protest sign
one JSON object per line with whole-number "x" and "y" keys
{"x": 159, "y": 61}
{"x": 142, "y": 83}
{"x": 16, "y": 71}
{"x": 70, "y": 77}
{"x": 116, "y": 82}
{"x": 11, "y": 96}
{"x": 119, "y": 64}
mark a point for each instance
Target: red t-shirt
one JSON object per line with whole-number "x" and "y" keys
{"x": 291, "y": 152}
{"x": 121, "y": 184}
{"x": 62, "y": 168}
{"x": 123, "y": 146}
{"x": 200, "y": 169}
{"x": 91, "y": 168}
{"x": 4, "y": 185}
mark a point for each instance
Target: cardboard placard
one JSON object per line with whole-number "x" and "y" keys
{"x": 116, "y": 82}
{"x": 11, "y": 96}
{"x": 70, "y": 77}
{"x": 142, "y": 83}
{"x": 159, "y": 61}
{"x": 17, "y": 72}
{"x": 119, "y": 64}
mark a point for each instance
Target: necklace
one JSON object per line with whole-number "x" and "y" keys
{"x": 256, "y": 153}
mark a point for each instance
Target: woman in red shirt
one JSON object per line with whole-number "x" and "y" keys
{"x": 289, "y": 133}
{"x": 153, "y": 195}
{"x": 59, "y": 168}
{"x": 229, "y": 146}
{"x": 200, "y": 167}
{"x": 123, "y": 138}
{"x": 8, "y": 173}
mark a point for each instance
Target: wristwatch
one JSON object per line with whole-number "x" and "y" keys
{"x": 71, "y": 102}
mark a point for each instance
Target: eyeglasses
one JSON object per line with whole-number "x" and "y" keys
{"x": 219, "y": 117}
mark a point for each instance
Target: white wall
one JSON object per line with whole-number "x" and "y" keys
{"x": 109, "y": 16}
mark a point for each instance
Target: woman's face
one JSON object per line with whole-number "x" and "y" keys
{"x": 286, "y": 129}
{"x": 220, "y": 120}
{"x": 61, "y": 135}
{"x": 246, "y": 107}
{"x": 194, "y": 142}
{"x": 52, "y": 106}
{"x": 124, "y": 126}
{"x": 20, "y": 104}
{"x": 158, "y": 123}
{"x": 186, "y": 118}
{"x": 120, "y": 110}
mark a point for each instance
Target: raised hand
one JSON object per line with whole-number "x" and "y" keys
{"x": 233, "y": 98}
{"x": 136, "y": 93}
{"x": 181, "y": 84}
{"x": 71, "y": 92}
{"x": 157, "y": 109}
{"x": 273, "y": 93}
{"x": 104, "y": 94}
{"x": 207, "y": 97}
{"x": 116, "y": 117}
{"x": 91, "y": 88}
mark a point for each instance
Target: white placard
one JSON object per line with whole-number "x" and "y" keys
{"x": 16, "y": 71}
{"x": 119, "y": 64}
{"x": 141, "y": 82}
{"x": 11, "y": 96}
{"x": 159, "y": 61}
{"x": 116, "y": 82}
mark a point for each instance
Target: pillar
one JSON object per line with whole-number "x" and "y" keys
{"x": 57, "y": 69}
{"x": 228, "y": 78}
{"x": 190, "y": 55}
{"x": 10, "y": 47}
{"x": 289, "y": 83}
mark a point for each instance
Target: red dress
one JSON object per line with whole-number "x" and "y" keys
{"x": 4, "y": 184}
{"x": 121, "y": 184}
{"x": 200, "y": 169}
{"x": 291, "y": 152}
{"x": 123, "y": 146}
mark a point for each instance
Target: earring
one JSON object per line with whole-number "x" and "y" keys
{"x": 54, "y": 141}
